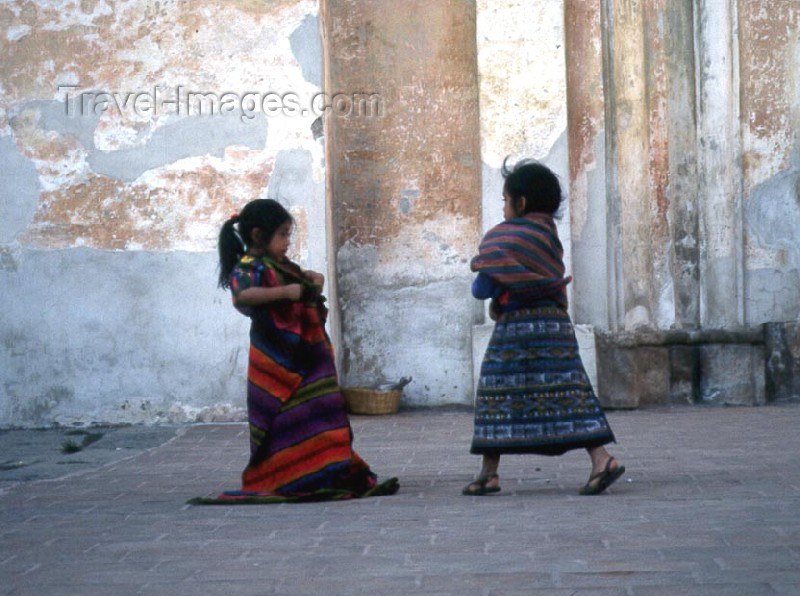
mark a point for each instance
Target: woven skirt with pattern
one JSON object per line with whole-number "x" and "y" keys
{"x": 534, "y": 395}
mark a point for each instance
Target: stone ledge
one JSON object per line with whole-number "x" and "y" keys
{"x": 672, "y": 337}
{"x": 750, "y": 366}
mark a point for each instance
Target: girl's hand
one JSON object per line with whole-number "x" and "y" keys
{"x": 315, "y": 278}
{"x": 293, "y": 292}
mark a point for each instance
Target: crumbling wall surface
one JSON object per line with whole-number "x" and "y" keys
{"x": 697, "y": 119}
{"x": 650, "y": 158}
{"x": 770, "y": 102}
{"x": 587, "y": 180}
{"x": 698, "y": 128}
{"x": 405, "y": 191}
{"x": 129, "y": 131}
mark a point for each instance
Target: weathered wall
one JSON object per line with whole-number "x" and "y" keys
{"x": 650, "y": 161}
{"x": 692, "y": 133}
{"x": 672, "y": 123}
{"x": 769, "y": 59}
{"x": 405, "y": 192}
{"x": 110, "y": 204}
{"x": 586, "y": 140}
{"x": 698, "y": 132}
{"x": 523, "y": 112}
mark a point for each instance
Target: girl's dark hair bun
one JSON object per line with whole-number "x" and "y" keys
{"x": 536, "y": 182}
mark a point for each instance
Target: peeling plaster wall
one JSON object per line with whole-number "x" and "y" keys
{"x": 522, "y": 95}
{"x": 405, "y": 192}
{"x": 111, "y": 201}
{"x": 650, "y": 161}
{"x": 698, "y": 126}
{"x": 673, "y": 124}
{"x": 587, "y": 180}
{"x": 770, "y": 102}
{"x": 693, "y": 132}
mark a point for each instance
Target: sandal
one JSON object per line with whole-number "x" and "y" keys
{"x": 604, "y": 479}
{"x": 478, "y": 487}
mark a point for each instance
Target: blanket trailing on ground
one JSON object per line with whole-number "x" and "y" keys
{"x": 241, "y": 497}
{"x": 300, "y": 435}
{"x": 525, "y": 257}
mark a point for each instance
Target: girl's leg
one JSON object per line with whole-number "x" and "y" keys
{"x": 600, "y": 458}
{"x": 489, "y": 469}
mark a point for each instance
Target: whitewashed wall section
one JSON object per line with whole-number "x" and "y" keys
{"x": 111, "y": 202}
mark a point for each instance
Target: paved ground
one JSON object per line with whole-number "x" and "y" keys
{"x": 711, "y": 505}
{"x": 40, "y": 454}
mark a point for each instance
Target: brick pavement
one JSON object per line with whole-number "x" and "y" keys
{"x": 710, "y": 505}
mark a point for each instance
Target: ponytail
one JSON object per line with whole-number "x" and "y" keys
{"x": 231, "y": 249}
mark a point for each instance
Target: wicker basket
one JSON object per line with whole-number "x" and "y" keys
{"x": 363, "y": 400}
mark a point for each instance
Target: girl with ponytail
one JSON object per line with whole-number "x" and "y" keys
{"x": 300, "y": 436}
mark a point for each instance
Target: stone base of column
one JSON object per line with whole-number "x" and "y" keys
{"x": 750, "y": 366}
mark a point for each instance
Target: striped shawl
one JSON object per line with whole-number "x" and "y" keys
{"x": 524, "y": 256}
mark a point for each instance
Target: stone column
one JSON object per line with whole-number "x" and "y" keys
{"x": 673, "y": 26}
{"x": 632, "y": 299}
{"x": 405, "y": 184}
{"x": 650, "y": 135}
{"x": 721, "y": 299}
{"x": 586, "y": 124}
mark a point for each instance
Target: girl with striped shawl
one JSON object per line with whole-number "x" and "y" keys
{"x": 533, "y": 395}
{"x": 300, "y": 436}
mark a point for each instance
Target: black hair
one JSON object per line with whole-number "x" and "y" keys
{"x": 265, "y": 214}
{"x": 534, "y": 181}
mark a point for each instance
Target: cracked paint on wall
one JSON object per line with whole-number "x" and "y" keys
{"x": 770, "y": 33}
{"x": 523, "y": 104}
{"x": 770, "y": 100}
{"x": 108, "y": 220}
{"x": 161, "y": 173}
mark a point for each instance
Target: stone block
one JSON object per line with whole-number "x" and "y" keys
{"x": 732, "y": 374}
{"x": 684, "y": 374}
{"x": 782, "y": 347}
{"x": 654, "y": 375}
{"x": 630, "y": 376}
{"x": 615, "y": 375}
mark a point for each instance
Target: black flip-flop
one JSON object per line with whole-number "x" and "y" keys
{"x": 481, "y": 489}
{"x": 606, "y": 478}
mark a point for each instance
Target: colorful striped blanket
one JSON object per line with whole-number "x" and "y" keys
{"x": 524, "y": 256}
{"x": 300, "y": 435}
